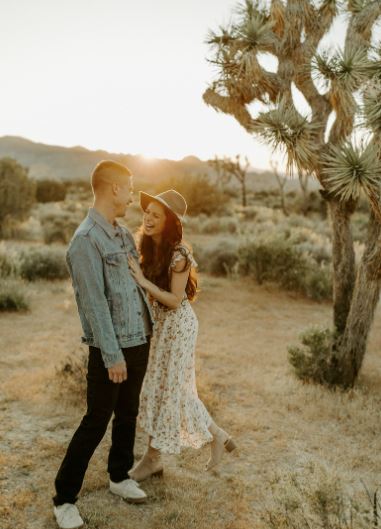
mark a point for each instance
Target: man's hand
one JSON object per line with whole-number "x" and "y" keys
{"x": 118, "y": 372}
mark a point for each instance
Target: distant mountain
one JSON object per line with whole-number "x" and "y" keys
{"x": 76, "y": 163}
{"x": 72, "y": 163}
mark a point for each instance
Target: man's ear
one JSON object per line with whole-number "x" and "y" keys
{"x": 115, "y": 188}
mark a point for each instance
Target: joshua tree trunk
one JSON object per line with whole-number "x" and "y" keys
{"x": 351, "y": 346}
{"x": 343, "y": 259}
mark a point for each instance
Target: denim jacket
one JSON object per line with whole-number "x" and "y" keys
{"x": 109, "y": 301}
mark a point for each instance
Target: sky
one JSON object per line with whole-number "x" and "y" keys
{"x": 120, "y": 75}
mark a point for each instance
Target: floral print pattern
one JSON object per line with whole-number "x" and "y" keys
{"x": 170, "y": 410}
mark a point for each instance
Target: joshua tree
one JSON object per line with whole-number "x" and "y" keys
{"x": 228, "y": 168}
{"x": 342, "y": 82}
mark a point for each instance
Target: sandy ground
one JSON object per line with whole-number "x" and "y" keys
{"x": 244, "y": 379}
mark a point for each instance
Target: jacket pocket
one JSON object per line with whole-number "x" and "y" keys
{"x": 114, "y": 259}
{"x": 117, "y": 314}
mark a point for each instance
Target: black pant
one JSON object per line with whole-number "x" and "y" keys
{"x": 103, "y": 398}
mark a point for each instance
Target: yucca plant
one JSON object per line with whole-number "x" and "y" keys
{"x": 346, "y": 82}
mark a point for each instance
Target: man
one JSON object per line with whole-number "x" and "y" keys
{"x": 117, "y": 324}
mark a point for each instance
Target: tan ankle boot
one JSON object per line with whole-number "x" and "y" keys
{"x": 221, "y": 441}
{"x": 149, "y": 465}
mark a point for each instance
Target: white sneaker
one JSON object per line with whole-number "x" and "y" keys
{"x": 129, "y": 490}
{"x": 67, "y": 516}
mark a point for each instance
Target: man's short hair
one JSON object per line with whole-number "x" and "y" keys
{"x": 110, "y": 172}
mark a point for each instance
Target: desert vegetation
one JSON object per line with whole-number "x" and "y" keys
{"x": 328, "y": 82}
{"x": 289, "y": 270}
{"x": 265, "y": 277}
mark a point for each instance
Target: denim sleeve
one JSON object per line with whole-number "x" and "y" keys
{"x": 86, "y": 269}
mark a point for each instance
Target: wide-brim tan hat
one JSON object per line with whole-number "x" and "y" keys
{"x": 170, "y": 199}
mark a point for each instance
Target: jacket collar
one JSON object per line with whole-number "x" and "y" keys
{"x": 112, "y": 231}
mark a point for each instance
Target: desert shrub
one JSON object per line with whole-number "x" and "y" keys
{"x": 58, "y": 227}
{"x": 71, "y": 375}
{"x": 220, "y": 225}
{"x": 314, "y": 497}
{"x": 223, "y": 261}
{"x": 13, "y": 296}
{"x": 295, "y": 201}
{"x": 274, "y": 260}
{"x": 78, "y": 185}
{"x": 220, "y": 259}
{"x": 201, "y": 194}
{"x": 308, "y": 242}
{"x": 316, "y": 284}
{"x": 313, "y": 224}
{"x": 43, "y": 263}
{"x": 17, "y": 191}
{"x": 8, "y": 263}
{"x": 311, "y": 360}
{"x": 27, "y": 230}
{"x": 280, "y": 261}
{"x": 79, "y": 191}
{"x": 195, "y": 224}
{"x": 50, "y": 191}
{"x": 260, "y": 215}
{"x": 313, "y": 203}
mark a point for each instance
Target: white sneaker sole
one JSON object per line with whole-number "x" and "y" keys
{"x": 130, "y": 500}
{"x": 80, "y": 524}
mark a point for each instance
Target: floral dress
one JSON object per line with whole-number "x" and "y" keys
{"x": 170, "y": 410}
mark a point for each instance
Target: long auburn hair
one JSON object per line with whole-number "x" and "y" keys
{"x": 156, "y": 266}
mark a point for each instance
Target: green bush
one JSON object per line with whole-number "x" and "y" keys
{"x": 278, "y": 260}
{"x": 220, "y": 259}
{"x": 311, "y": 361}
{"x": 220, "y": 225}
{"x": 50, "y": 191}
{"x": 59, "y": 227}
{"x": 12, "y": 296}
{"x": 274, "y": 260}
{"x": 8, "y": 264}
{"x": 316, "y": 284}
{"x": 43, "y": 263}
{"x": 223, "y": 261}
{"x": 78, "y": 185}
{"x": 17, "y": 191}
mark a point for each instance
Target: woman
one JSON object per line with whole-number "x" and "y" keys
{"x": 170, "y": 411}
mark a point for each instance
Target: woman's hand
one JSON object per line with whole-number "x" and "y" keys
{"x": 136, "y": 272}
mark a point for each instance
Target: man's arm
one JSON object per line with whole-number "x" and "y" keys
{"x": 86, "y": 268}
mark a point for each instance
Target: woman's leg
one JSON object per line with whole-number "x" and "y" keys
{"x": 149, "y": 465}
{"x": 151, "y": 451}
{"x": 221, "y": 441}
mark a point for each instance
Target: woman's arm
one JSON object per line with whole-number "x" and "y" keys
{"x": 179, "y": 281}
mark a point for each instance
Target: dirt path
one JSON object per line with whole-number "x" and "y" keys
{"x": 244, "y": 380}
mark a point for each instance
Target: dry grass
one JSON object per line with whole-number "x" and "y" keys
{"x": 280, "y": 425}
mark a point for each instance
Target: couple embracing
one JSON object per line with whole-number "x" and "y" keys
{"x": 141, "y": 331}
